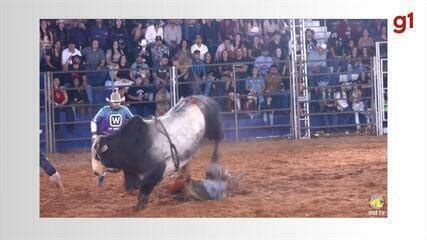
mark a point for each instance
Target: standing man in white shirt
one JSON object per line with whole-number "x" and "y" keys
{"x": 172, "y": 35}
{"x": 198, "y": 45}
{"x": 67, "y": 55}
{"x": 154, "y": 30}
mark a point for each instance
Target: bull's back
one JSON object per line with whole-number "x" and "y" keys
{"x": 186, "y": 129}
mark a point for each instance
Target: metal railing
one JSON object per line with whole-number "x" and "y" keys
{"x": 231, "y": 95}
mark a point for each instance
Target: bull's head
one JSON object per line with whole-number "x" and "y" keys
{"x": 99, "y": 169}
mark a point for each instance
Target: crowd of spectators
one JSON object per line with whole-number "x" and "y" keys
{"x": 103, "y": 53}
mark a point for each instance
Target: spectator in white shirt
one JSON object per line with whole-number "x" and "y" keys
{"x": 152, "y": 32}
{"x": 198, "y": 45}
{"x": 67, "y": 55}
{"x": 172, "y": 34}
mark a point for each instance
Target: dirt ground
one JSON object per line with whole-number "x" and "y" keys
{"x": 328, "y": 177}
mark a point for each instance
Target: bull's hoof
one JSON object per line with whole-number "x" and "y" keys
{"x": 142, "y": 201}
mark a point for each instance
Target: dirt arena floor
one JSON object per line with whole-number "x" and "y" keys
{"x": 328, "y": 177}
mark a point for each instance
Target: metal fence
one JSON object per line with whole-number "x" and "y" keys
{"x": 247, "y": 112}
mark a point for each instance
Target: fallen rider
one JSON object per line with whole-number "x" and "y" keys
{"x": 216, "y": 185}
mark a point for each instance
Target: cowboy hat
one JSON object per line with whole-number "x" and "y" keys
{"x": 115, "y": 97}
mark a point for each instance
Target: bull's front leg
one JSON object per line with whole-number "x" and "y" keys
{"x": 150, "y": 180}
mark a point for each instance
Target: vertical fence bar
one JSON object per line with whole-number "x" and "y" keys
{"x": 236, "y": 129}
{"x": 52, "y": 113}
{"x": 48, "y": 89}
{"x": 173, "y": 86}
{"x": 292, "y": 115}
{"x": 46, "y": 114}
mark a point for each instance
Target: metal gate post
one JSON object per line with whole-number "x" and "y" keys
{"x": 46, "y": 114}
{"x": 236, "y": 129}
{"x": 173, "y": 85}
{"x": 293, "y": 101}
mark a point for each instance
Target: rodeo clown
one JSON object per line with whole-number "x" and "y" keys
{"x": 108, "y": 120}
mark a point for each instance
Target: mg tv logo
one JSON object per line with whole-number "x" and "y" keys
{"x": 115, "y": 120}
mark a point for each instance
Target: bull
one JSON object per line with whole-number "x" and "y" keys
{"x": 150, "y": 149}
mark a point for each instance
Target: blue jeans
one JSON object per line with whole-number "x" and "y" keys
{"x": 330, "y": 120}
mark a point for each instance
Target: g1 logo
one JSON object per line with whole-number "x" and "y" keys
{"x": 400, "y": 25}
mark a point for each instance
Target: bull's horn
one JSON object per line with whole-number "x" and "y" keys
{"x": 103, "y": 148}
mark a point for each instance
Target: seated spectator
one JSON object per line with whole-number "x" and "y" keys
{"x": 100, "y": 32}
{"x": 138, "y": 67}
{"x": 366, "y": 88}
{"x": 276, "y": 43}
{"x": 365, "y": 60}
{"x": 365, "y": 40}
{"x": 52, "y": 58}
{"x": 316, "y": 64}
{"x": 61, "y": 33}
{"x": 60, "y": 100}
{"x": 172, "y": 35}
{"x": 74, "y": 72}
{"x": 46, "y": 36}
{"x": 225, "y": 45}
{"x": 199, "y": 72}
{"x": 119, "y": 34}
{"x": 162, "y": 99}
{"x": 79, "y": 34}
{"x": 255, "y": 86}
{"x": 382, "y": 35}
{"x": 183, "y": 53}
{"x": 274, "y": 85}
{"x": 239, "y": 43}
{"x": 341, "y": 96}
{"x": 67, "y": 54}
{"x": 270, "y": 26}
{"x": 268, "y": 116}
{"x": 113, "y": 54}
{"x": 133, "y": 43}
{"x": 253, "y": 28}
{"x": 210, "y": 32}
{"x": 310, "y": 41}
{"x": 354, "y": 63}
{"x": 280, "y": 61}
{"x": 77, "y": 95}
{"x": 158, "y": 50}
{"x": 213, "y": 87}
{"x": 88, "y": 89}
{"x": 153, "y": 31}
{"x": 94, "y": 59}
{"x": 226, "y": 29}
{"x": 233, "y": 100}
{"x": 123, "y": 70}
{"x": 263, "y": 62}
{"x": 241, "y": 67}
{"x": 161, "y": 74}
{"x": 145, "y": 50}
{"x": 186, "y": 80}
{"x": 348, "y": 48}
{"x": 136, "y": 94}
{"x": 149, "y": 93}
{"x": 190, "y": 29}
{"x": 198, "y": 45}
{"x": 335, "y": 52}
{"x": 226, "y": 70}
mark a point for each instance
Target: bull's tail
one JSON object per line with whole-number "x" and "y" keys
{"x": 211, "y": 112}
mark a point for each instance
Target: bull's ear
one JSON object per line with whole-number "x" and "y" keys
{"x": 104, "y": 148}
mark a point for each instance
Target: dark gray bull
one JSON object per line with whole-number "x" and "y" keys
{"x": 149, "y": 149}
